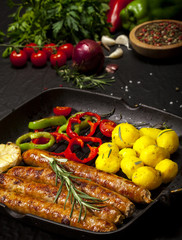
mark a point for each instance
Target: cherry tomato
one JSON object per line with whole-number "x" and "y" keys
{"x": 58, "y": 59}
{"x": 29, "y": 49}
{"x": 65, "y": 111}
{"x": 18, "y": 58}
{"x": 106, "y": 127}
{"x": 67, "y": 48}
{"x": 39, "y": 58}
{"x": 49, "y": 49}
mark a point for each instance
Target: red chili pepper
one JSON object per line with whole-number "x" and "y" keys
{"x": 93, "y": 125}
{"x": 113, "y": 15}
{"x": 65, "y": 111}
{"x": 68, "y": 153}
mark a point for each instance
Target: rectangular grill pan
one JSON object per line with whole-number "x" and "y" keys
{"x": 16, "y": 124}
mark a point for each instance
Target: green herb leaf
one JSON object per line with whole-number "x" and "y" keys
{"x": 110, "y": 151}
{"x": 119, "y": 133}
{"x": 138, "y": 162}
{"x": 7, "y": 52}
{"x": 164, "y": 131}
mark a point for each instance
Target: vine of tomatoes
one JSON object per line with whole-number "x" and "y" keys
{"x": 57, "y": 55}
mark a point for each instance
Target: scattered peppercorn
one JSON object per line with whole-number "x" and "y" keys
{"x": 160, "y": 33}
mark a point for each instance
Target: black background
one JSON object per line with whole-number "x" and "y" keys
{"x": 139, "y": 80}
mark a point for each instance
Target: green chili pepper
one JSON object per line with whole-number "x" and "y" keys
{"x": 31, "y": 135}
{"x": 47, "y": 122}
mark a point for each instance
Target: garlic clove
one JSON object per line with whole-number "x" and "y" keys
{"x": 116, "y": 54}
{"x": 106, "y": 47}
{"x": 111, "y": 68}
{"x": 123, "y": 40}
{"x": 108, "y": 41}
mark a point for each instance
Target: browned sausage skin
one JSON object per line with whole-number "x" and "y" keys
{"x": 48, "y": 193}
{"x": 46, "y": 175}
{"x": 121, "y": 185}
{"x": 113, "y": 198}
{"x": 52, "y": 211}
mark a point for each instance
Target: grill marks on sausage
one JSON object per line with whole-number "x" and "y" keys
{"x": 1, "y": 178}
{"x": 48, "y": 193}
{"x": 25, "y": 204}
{"x": 44, "y": 191}
{"x": 99, "y": 188}
{"x": 65, "y": 221}
{"x": 125, "y": 206}
{"x": 121, "y": 185}
{"x": 109, "y": 197}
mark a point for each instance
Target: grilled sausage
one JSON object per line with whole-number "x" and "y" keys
{"x": 52, "y": 211}
{"x": 113, "y": 198}
{"x": 46, "y": 175}
{"x": 111, "y": 181}
{"x": 48, "y": 193}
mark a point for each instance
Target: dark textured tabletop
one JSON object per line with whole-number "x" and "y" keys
{"x": 139, "y": 80}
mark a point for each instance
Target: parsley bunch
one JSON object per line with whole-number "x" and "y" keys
{"x": 42, "y": 21}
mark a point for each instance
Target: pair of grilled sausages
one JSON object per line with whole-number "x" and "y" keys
{"x": 48, "y": 192}
{"x": 45, "y": 175}
{"x": 111, "y": 181}
{"x": 52, "y": 211}
{"x": 115, "y": 209}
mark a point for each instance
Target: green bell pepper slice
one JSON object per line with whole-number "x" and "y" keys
{"x": 47, "y": 122}
{"x": 30, "y": 145}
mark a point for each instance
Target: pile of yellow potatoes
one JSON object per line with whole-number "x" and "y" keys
{"x": 142, "y": 154}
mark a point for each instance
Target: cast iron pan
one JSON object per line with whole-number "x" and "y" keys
{"x": 15, "y": 124}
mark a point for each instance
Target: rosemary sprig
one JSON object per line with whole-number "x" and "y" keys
{"x": 82, "y": 81}
{"x": 77, "y": 197}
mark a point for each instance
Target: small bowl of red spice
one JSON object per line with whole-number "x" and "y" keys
{"x": 158, "y": 38}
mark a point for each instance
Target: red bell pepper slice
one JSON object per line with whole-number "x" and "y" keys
{"x": 41, "y": 140}
{"x": 93, "y": 125}
{"x": 113, "y": 15}
{"x": 59, "y": 137}
{"x": 69, "y": 154}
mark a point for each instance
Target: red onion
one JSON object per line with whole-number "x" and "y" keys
{"x": 88, "y": 56}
